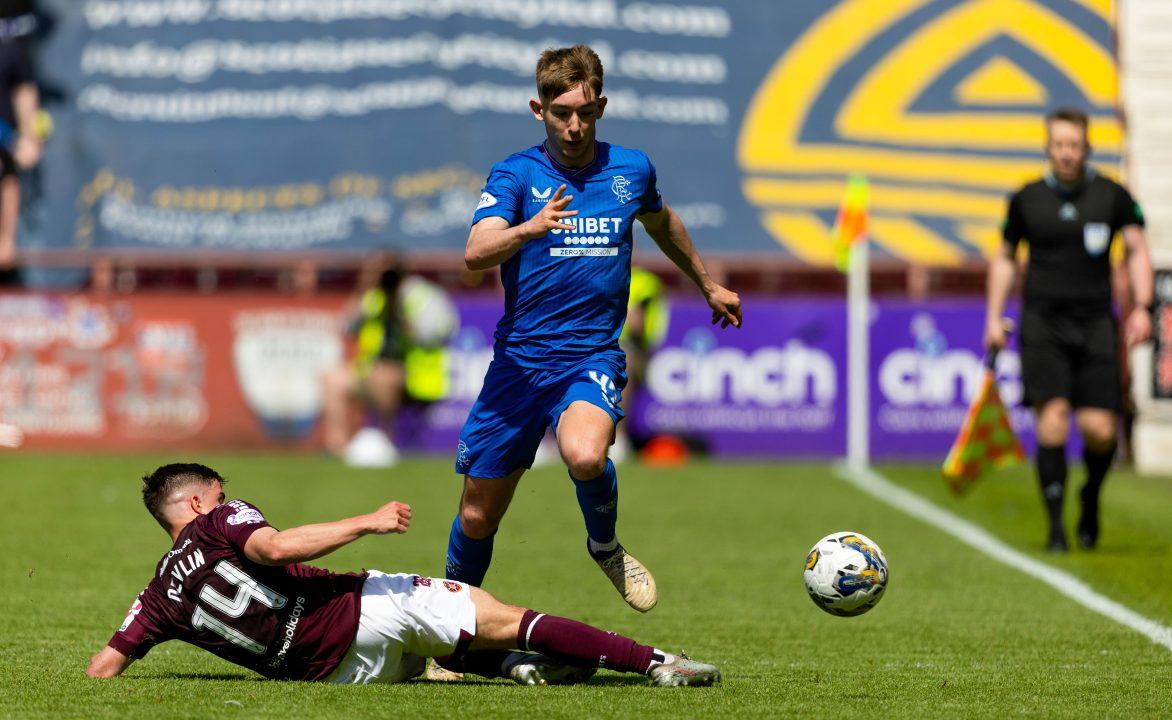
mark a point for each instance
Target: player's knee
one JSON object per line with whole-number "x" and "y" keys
{"x": 1054, "y": 423}
{"x": 585, "y": 463}
{"x": 479, "y": 520}
{"x": 1099, "y": 437}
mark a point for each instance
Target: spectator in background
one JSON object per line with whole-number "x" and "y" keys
{"x": 644, "y": 331}
{"x": 1069, "y": 334}
{"x": 20, "y": 134}
{"x": 400, "y": 328}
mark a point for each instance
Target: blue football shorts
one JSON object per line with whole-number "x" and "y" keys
{"x": 517, "y": 404}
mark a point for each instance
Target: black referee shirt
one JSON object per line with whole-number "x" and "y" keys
{"x": 1069, "y": 232}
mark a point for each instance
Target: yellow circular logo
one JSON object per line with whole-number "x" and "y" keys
{"x": 939, "y": 103}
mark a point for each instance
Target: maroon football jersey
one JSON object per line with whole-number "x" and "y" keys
{"x": 292, "y": 622}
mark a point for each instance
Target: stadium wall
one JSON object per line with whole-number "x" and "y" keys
{"x": 1146, "y": 78}
{"x": 240, "y": 371}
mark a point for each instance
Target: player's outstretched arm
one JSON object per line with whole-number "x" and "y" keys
{"x": 269, "y": 546}
{"x": 107, "y": 663}
{"x": 669, "y": 233}
{"x": 491, "y": 241}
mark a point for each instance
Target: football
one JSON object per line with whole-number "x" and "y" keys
{"x": 846, "y": 574}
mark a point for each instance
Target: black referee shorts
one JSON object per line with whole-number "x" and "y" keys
{"x": 1071, "y": 356}
{"x": 7, "y": 163}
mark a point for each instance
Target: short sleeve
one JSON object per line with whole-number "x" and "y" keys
{"x": 1013, "y": 231}
{"x": 139, "y": 632}
{"x": 1127, "y": 210}
{"x": 650, "y": 201}
{"x": 501, "y": 196}
{"x": 237, "y": 520}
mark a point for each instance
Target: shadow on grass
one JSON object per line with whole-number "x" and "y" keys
{"x": 597, "y": 680}
{"x": 608, "y": 679}
{"x": 235, "y": 677}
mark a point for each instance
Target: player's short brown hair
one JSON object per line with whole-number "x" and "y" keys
{"x": 563, "y": 69}
{"x": 169, "y": 478}
{"x": 1069, "y": 114}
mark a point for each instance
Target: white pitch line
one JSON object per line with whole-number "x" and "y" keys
{"x": 874, "y": 484}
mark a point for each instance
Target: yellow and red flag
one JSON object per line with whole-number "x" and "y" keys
{"x": 986, "y": 440}
{"x": 851, "y": 224}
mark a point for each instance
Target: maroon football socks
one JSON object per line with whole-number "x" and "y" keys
{"x": 579, "y": 644}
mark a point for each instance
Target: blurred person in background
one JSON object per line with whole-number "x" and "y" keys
{"x": 644, "y": 331}
{"x": 20, "y": 118}
{"x": 399, "y": 328}
{"x": 1069, "y": 334}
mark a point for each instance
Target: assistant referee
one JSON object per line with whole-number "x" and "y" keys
{"x": 1069, "y": 333}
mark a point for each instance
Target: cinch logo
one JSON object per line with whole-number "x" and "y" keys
{"x": 932, "y": 375}
{"x": 937, "y": 102}
{"x": 913, "y": 377}
{"x": 770, "y": 376}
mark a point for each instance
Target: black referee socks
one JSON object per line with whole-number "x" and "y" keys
{"x": 1098, "y": 463}
{"x": 1051, "y": 462}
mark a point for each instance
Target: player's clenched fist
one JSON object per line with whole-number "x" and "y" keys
{"x": 550, "y": 217}
{"x": 394, "y": 517}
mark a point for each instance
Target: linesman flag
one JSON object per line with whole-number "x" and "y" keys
{"x": 986, "y": 440}
{"x": 850, "y": 227}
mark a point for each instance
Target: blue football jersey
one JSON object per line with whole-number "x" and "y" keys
{"x": 566, "y": 292}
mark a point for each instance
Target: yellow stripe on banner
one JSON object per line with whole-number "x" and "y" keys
{"x": 911, "y": 241}
{"x": 803, "y": 234}
{"x": 923, "y": 200}
{"x": 1106, "y": 8}
{"x": 986, "y": 238}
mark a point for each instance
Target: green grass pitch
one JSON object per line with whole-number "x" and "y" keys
{"x": 957, "y": 635}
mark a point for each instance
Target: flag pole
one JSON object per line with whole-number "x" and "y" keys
{"x": 858, "y": 450}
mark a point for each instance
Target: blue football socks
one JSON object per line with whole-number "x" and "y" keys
{"x": 599, "y": 500}
{"x": 467, "y": 559}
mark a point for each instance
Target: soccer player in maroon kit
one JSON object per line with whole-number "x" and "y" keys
{"x": 235, "y": 586}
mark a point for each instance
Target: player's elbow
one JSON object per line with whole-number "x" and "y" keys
{"x": 473, "y": 260}
{"x": 475, "y": 257}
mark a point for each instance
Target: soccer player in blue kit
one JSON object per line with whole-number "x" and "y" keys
{"x": 558, "y": 219}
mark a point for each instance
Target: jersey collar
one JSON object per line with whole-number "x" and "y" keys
{"x": 1069, "y": 191}
{"x": 565, "y": 170}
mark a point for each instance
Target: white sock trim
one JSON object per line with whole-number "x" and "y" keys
{"x": 529, "y": 630}
{"x": 611, "y": 546}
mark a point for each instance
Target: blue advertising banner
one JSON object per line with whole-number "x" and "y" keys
{"x": 289, "y": 125}
{"x": 777, "y": 387}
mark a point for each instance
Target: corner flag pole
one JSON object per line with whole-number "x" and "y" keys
{"x": 850, "y": 232}
{"x": 858, "y": 447}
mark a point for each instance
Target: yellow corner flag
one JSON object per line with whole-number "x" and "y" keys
{"x": 986, "y": 440}
{"x": 850, "y": 227}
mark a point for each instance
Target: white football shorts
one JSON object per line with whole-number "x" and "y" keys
{"x": 405, "y": 620}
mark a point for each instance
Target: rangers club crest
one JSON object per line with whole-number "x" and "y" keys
{"x": 621, "y": 188}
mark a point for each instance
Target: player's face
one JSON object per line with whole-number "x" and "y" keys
{"x": 569, "y": 124}
{"x": 1067, "y": 148}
